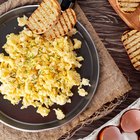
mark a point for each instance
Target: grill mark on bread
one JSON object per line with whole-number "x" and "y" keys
{"x": 44, "y": 16}
{"x": 137, "y": 64}
{"x": 131, "y": 41}
{"x": 133, "y": 48}
{"x": 129, "y": 0}
{"x": 36, "y": 20}
{"x": 135, "y": 59}
{"x": 59, "y": 25}
{"x": 128, "y": 9}
{"x": 65, "y": 23}
{"x": 132, "y": 44}
{"x": 38, "y": 13}
{"x": 63, "y": 16}
{"x": 74, "y": 15}
{"x": 31, "y": 26}
{"x": 129, "y": 5}
{"x": 134, "y": 54}
{"x": 51, "y": 4}
{"x": 132, "y": 38}
{"x": 128, "y": 34}
{"x": 36, "y": 26}
{"x": 69, "y": 18}
{"x": 49, "y": 18}
{"x": 41, "y": 24}
{"x": 70, "y": 15}
{"x": 55, "y": 32}
{"x": 47, "y": 11}
{"x": 58, "y": 34}
{"x": 69, "y": 24}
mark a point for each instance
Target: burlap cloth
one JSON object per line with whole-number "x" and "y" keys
{"x": 112, "y": 85}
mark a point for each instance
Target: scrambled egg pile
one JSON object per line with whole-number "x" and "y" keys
{"x": 40, "y": 73}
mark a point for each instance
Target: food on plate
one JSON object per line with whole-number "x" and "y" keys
{"x": 59, "y": 114}
{"x": 110, "y": 132}
{"x": 63, "y": 26}
{"x": 44, "y": 16}
{"x": 128, "y": 5}
{"x": 40, "y": 73}
{"x": 50, "y": 21}
{"x": 130, "y": 136}
{"x": 22, "y": 21}
{"x": 72, "y": 32}
{"x": 131, "y": 42}
{"x": 40, "y": 69}
{"x": 130, "y": 121}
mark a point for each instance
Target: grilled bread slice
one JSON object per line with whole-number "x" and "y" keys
{"x": 131, "y": 42}
{"x": 44, "y": 16}
{"x": 63, "y": 26}
{"x": 128, "y": 5}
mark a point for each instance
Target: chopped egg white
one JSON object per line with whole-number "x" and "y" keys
{"x": 82, "y": 92}
{"x": 85, "y": 82}
{"x": 59, "y": 114}
{"x": 22, "y": 21}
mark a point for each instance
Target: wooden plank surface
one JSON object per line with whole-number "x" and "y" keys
{"x": 109, "y": 28}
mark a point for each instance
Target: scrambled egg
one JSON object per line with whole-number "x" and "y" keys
{"x": 40, "y": 73}
{"x": 22, "y": 21}
{"x": 59, "y": 114}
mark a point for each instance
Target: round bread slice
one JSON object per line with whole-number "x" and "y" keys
{"x": 44, "y": 16}
{"x": 131, "y": 42}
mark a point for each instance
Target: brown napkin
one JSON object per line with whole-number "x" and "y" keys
{"x": 112, "y": 85}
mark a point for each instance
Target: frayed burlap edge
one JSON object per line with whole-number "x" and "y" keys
{"x": 102, "y": 112}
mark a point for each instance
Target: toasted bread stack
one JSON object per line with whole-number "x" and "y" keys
{"x": 64, "y": 25}
{"x": 128, "y": 5}
{"x": 44, "y": 16}
{"x": 48, "y": 20}
{"x": 131, "y": 42}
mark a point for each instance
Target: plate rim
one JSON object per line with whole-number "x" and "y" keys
{"x": 88, "y": 102}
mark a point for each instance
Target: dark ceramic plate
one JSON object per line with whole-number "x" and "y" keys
{"x": 28, "y": 119}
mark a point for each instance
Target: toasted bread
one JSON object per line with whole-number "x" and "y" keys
{"x": 131, "y": 42}
{"x": 44, "y": 16}
{"x": 64, "y": 25}
{"x": 128, "y": 5}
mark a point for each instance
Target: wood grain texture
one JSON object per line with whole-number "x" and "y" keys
{"x": 110, "y": 27}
